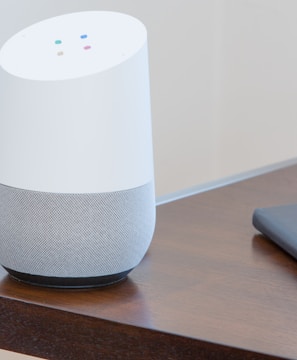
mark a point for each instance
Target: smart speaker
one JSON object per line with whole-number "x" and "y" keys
{"x": 77, "y": 202}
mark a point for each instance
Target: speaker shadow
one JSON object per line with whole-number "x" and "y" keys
{"x": 121, "y": 302}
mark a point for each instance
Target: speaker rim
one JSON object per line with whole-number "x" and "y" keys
{"x": 68, "y": 282}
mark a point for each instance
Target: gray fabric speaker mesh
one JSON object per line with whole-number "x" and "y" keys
{"x": 75, "y": 235}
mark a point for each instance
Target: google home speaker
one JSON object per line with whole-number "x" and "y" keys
{"x": 77, "y": 202}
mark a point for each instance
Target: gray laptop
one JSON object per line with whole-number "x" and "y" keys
{"x": 279, "y": 223}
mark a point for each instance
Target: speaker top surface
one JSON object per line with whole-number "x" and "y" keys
{"x": 72, "y": 45}
{"x": 75, "y": 105}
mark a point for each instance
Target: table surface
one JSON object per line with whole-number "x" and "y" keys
{"x": 209, "y": 287}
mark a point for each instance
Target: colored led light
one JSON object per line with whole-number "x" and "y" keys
{"x": 84, "y": 36}
{"x": 58, "y": 42}
{"x": 87, "y": 47}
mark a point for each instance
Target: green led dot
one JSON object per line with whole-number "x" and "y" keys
{"x": 58, "y": 42}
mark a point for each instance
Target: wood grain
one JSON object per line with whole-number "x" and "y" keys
{"x": 210, "y": 287}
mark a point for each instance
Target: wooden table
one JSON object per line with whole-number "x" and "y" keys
{"x": 210, "y": 287}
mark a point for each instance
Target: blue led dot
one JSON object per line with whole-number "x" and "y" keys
{"x": 58, "y": 42}
{"x": 84, "y": 36}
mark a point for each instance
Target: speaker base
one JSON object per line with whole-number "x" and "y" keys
{"x": 68, "y": 283}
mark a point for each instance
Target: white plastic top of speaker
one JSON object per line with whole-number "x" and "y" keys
{"x": 73, "y": 45}
{"x": 75, "y": 105}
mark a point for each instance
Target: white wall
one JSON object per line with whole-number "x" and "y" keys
{"x": 257, "y": 103}
{"x": 223, "y": 80}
